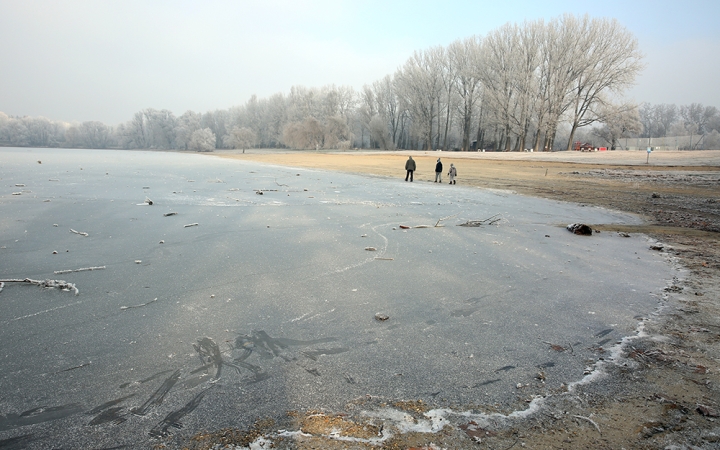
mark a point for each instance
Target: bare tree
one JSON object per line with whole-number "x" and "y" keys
{"x": 696, "y": 118}
{"x": 448, "y": 98}
{"x": 666, "y": 115}
{"x": 307, "y": 134}
{"x": 367, "y": 109}
{"x": 499, "y": 72}
{"x": 606, "y": 60}
{"x": 379, "y": 133}
{"x": 466, "y": 56}
{"x": 388, "y": 108}
{"x": 419, "y": 86}
{"x": 336, "y": 132}
{"x": 557, "y": 49}
{"x": 517, "y": 85}
{"x": 619, "y": 121}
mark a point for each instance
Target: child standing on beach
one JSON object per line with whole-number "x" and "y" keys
{"x": 452, "y": 173}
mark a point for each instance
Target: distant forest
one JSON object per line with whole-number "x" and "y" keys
{"x": 536, "y": 85}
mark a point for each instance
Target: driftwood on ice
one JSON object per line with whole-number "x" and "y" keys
{"x": 437, "y": 224}
{"x": 60, "y": 284}
{"x": 140, "y": 305}
{"x": 82, "y": 269}
{"x": 476, "y": 223}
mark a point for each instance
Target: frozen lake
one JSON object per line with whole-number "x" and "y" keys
{"x": 267, "y": 303}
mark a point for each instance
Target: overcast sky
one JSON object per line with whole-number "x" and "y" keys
{"x": 104, "y": 60}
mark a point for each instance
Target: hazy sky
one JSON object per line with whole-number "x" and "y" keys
{"x": 104, "y": 60}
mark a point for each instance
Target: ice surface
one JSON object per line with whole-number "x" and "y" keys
{"x": 269, "y": 303}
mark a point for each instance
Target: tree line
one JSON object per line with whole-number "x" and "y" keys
{"x": 539, "y": 85}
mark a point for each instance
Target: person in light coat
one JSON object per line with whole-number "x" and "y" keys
{"x": 452, "y": 173}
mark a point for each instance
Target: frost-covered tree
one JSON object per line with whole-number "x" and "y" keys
{"x": 202, "y": 140}
{"x": 379, "y": 133}
{"x": 134, "y": 133}
{"x": 240, "y": 138}
{"x": 606, "y": 61}
{"x": 518, "y": 85}
{"x": 419, "y": 87}
{"x": 364, "y": 113}
{"x": 73, "y": 137}
{"x": 94, "y": 134}
{"x": 39, "y": 131}
{"x": 185, "y": 126}
{"x": 336, "y": 132}
{"x": 619, "y": 121}
{"x": 16, "y": 133}
{"x": 388, "y": 109}
{"x": 697, "y": 118}
{"x": 217, "y": 121}
{"x": 499, "y": 72}
{"x": 307, "y": 134}
{"x": 465, "y": 56}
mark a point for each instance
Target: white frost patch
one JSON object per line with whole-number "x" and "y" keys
{"x": 213, "y": 202}
{"x": 258, "y": 444}
{"x": 389, "y": 414}
{"x": 299, "y": 318}
{"x": 531, "y": 409}
{"x": 292, "y": 434}
{"x": 321, "y": 314}
{"x": 41, "y": 312}
{"x": 616, "y": 352}
{"x": 405, "y": 423}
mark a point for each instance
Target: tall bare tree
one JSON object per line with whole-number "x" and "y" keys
{"x": 497, "y": 72}
{"x": 466, "y": 56}
{"x": 388, "y": 107}
{"x": 419, "y": 87}
{"x": 605, "y": 62}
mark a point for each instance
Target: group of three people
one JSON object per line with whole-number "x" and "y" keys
{"x": 410, "y": 168}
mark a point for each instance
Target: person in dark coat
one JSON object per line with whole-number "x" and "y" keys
{"x": 438, "y": 171}
{"x": 410, "y": 167}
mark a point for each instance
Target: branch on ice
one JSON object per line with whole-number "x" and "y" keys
{"x": 48, "y": 284}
